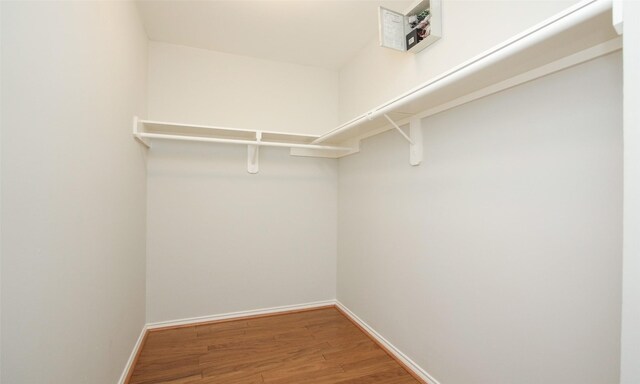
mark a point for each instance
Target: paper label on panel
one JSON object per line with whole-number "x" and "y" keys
{"x": 392, "y": 29}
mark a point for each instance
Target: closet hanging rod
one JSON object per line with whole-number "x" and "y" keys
{"x": 240, "y": 142}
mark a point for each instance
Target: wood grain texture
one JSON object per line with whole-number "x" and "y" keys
{"x": 382, "y": 346}
{"x": 318, "y": 346}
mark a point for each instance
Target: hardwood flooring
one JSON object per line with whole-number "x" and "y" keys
{"x": 317, "y": 347}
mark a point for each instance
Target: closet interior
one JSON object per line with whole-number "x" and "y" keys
{"x": 429, "y": 191}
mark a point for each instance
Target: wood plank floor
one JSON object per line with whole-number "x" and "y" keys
{"x": 319, "y": 346}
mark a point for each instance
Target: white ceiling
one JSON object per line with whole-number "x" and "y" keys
{"x": 322, "y": 33}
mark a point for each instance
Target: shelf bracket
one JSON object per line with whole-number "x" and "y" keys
{"x": 415, "y": 148}
{"x": 398, "y": 129}
{"x": 414, "y": 138}
{"x": 136, "y": 133}
{"x": 253, "y": 155}
{"x": 617, "y": 15}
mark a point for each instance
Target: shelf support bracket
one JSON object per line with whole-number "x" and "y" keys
{"x": 253, "y": 155}
{"x": 398, "y": 128}
{"x": 415, "y": 148}
{"x": 618, "y": 17}
{"x": 414, "y": 138}
{"x": 136, "y": 133}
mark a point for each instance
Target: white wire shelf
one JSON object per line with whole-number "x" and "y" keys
{"x": 576, "y": 35}
{"x": 150, "y": 129}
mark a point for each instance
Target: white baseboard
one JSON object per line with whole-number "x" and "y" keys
{"x": 233, "y": 315}
{"x": 390, "y": 347}
{"x": 133, "y": 355}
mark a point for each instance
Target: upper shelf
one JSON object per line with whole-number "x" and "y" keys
{"x": 580, "y": 33}
{"x": 149, "y": 129}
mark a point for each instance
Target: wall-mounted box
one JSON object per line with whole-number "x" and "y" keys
{"x": 414, "y": 30}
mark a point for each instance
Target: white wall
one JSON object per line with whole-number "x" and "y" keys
{"x": 73, "y": 190}
{"x": 0, "y": 192}
{"x": 198, "y": 86}
{"x": 498, "y": 260}
{"x": 222, "y": 240}
{"x": 630, "y": 368}
{"x": 470, "y": 27}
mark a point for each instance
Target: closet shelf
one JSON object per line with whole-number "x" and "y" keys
{"x": 579, "y": 34}
{"x": 149, "y": 129}
{"x": 576, "y": 35}
{"x": 143, "y": 130}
